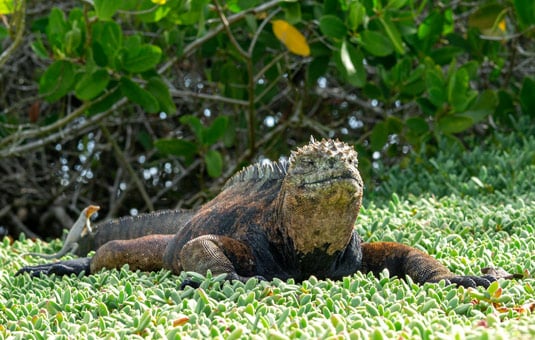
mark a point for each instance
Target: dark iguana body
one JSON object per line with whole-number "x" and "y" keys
{"x": 287, "y": 220}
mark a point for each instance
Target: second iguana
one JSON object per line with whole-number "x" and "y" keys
{"x": 286, "y": 219}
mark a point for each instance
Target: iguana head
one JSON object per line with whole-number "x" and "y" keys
{"x": 321, "y": 196}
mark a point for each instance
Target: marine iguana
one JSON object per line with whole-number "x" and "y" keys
{"x": 79, "y": 229}
{"x": 286, "y": 219}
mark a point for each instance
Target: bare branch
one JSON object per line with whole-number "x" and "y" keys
{"x": 20, "y": 22}
{"x": 126, "y": 165}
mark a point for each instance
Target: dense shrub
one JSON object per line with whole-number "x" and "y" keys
{"x": 168, "y": 98}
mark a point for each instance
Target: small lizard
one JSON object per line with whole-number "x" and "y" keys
{"x": 80, "y": 228}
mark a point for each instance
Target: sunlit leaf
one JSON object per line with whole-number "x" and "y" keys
{"x": 6, "y": 7}
{"x": 158, "y": 2}
{"x": 346, "y": 59}
{"x": 294, "y": 41}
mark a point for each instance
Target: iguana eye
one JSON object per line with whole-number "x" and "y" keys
{"x": 307, "y": 162}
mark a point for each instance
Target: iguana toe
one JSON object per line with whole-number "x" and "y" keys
{"x": 61, "y": 268}
{"x": 472, "y": 280}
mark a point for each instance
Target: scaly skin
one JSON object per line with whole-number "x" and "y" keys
{"x": 280, "y": 220}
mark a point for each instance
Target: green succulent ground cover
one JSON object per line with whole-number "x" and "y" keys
{"x": 469, "y": 209}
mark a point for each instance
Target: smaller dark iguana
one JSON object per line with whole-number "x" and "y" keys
{"x": 79, "y": 229}
{"x": 286, "y": 219}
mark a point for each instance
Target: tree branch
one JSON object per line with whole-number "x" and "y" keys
{"x": 33, "y": 133}
{"x": 20, "y": 22}
{"x": 126, "y": 165}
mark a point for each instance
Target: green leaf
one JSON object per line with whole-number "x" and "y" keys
{"x": 454, "y": 123}
{"x": 379, "y": 136}
{"x": 418, "y": 125}
{"x": 393, "y": 34}
{"x": 527, "y": 96}
{"x": 153, "y": 14}
{"x": 142, "y": 59}
{"x": 145, "y": 139}
{"x": 525, "y": 11}
{"x": 92, "y": 84}
{"x": 107, "y": 100}
{"x": 39, "y": 48}
{"x": 395, "y": 4}
{"x": 292, "y": 12}
{"x": 445, "y": 55}
{"x": 351, "y": 64}
{"x": 233, "y": 81}
{"x": 458, "y": 89}
{"x": 214, "y": 163}
{"x": 436, "y": 87}
{"x": 57, "y": 81}
{"x": 160, "y": 91}
{"x": 333, "y": 27}
{"x": 430, "y": 30}
{"x": 484, "y": 105}
{"x": 356, "y": 15}
{"x": 107, "y": 42}
{"x": 105, "y": 9}
{"x": 139, "y": 96}
{"x": 195, "y": 125}
{"x": 56, "y": 29}
{"x": 215, "y": 131}
{"x": 376, "y": 43}
{"x": 73, "y": 39}
{"x": 317, "y": 68}
{"x": 176, "y": 147}
{"x": 6, "y": 7}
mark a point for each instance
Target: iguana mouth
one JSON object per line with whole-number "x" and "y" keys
{"x": 331, "y": 179}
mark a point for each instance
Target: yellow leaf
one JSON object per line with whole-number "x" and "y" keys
{"x": 294, "y": 41}
{"x": 502, "y": 25}
{"x": 158, "y": 2}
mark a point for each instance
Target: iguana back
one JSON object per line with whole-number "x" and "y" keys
{"x": 130, "y": 227}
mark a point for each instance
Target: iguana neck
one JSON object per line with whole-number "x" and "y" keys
{"x": 323, "y": 221}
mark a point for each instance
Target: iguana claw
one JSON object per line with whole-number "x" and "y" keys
{"x": 472, "y": 280}
{"x": 60, "y": 268}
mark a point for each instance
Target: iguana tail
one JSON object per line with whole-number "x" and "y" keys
{"x": 160, "y": 222}
{"x": 63, "y": 251}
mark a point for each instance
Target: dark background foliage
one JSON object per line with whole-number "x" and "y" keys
{"x": 138, "y": 105}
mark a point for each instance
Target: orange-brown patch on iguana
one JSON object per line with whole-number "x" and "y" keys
{"x": 144, "y": 253}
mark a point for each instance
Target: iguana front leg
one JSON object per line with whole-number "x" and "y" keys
{"x": 220, "y": 255}
{"x": 401, "y": 260}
